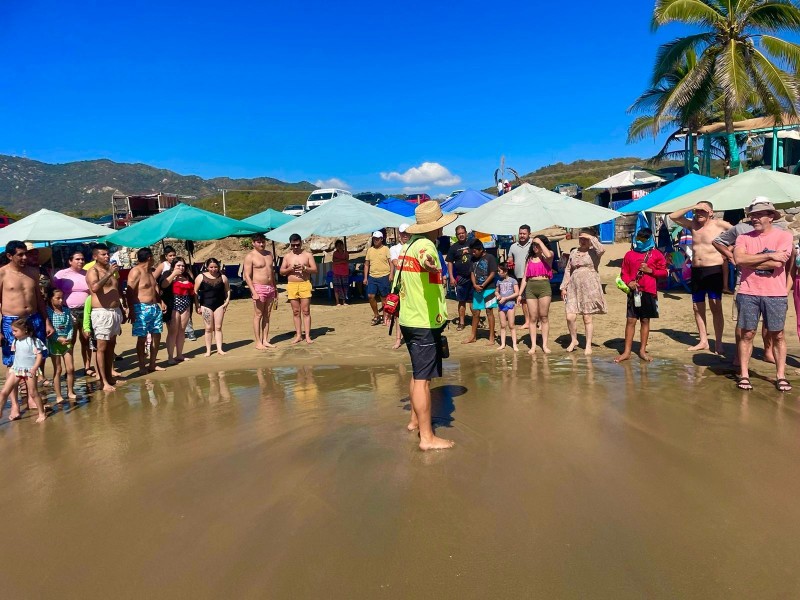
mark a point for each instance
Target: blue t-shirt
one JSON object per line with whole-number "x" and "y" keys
{"x": 482, "y": 267}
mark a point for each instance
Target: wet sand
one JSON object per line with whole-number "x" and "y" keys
{"x": 571, "y": 478}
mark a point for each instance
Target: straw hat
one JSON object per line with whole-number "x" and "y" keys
{"x": 430, "y": 218}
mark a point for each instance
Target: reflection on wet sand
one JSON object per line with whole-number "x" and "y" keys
{"x": 573, "y": 478}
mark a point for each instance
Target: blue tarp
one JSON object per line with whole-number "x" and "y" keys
{"x": 665, "y": 193}
{"x": 398, "y": 206}
{"x": 466, "y": 201}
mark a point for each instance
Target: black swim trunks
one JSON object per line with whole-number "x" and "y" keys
{"x": 707, "y": 280}
{"x": 425, "y": 349}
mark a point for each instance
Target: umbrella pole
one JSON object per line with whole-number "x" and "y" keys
{"x": 345, "y": 243}
{"x": 274, "y": 255}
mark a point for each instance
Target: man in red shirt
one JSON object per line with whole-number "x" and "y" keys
{"x": 640, "y": 268}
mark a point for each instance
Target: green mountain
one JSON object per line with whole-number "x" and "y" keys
{"x": 85, "y": 187}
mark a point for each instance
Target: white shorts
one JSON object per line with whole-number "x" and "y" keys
{"x": 106, "y": 323}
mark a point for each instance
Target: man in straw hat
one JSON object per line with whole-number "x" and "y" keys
{"x": 762, "y": 256}
{"x": 423, "y": 315}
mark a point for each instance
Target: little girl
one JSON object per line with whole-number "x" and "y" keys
{"x": 506, "y": 293}
{"x": 28, "y": 360}
{"x": 59, "y": 345}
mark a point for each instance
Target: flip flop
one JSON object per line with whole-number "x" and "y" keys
{"x": 783, "y": 385}
{"x": 744, "y": 384}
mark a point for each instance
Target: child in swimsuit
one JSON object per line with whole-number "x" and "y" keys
{"x": 507, "y": 293}
{"x": 28, "y": 360}
{"x": 59, "y": 345}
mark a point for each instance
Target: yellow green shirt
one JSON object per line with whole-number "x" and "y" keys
{"x": 422, "y": 301}
{"x": 378, "y": 258}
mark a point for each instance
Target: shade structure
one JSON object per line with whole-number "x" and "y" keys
{"x": 182, "y": 222}
{"x": 342, "y": 216}
{"x": 738, "y": 191}
{"x": 50, "y": 226}
{"x": 466, "y": 201}
{"x": 625, "y": 179}
{"x": 534, "y": 206}
{"x": 268, "y": 219}
{"x": 665, "y": 193}
{"x": 398, "y": 206}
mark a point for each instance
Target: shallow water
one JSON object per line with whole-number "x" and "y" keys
{"x": 570, "y": 479}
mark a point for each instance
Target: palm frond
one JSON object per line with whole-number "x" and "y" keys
{"x": 784, "y": 87}
{"x": 731, "y": 73}
{"x": 787, "y": 52}
{"x": 774, "y": 15}
{"x": 694, "y": 12}
{"x": 683, "y": 50}
{"x": 696, "y": 79}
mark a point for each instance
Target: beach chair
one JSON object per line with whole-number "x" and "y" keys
{"x": 235, "y": 281}
{"x": 676, "y": 270}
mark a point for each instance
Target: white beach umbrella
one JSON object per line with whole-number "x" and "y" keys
{"x": 534, "y": 206}
{"x": 50, "y": 226}
{"x": 628, "y": 178}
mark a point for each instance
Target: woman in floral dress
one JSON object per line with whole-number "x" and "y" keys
{"x": 581, "y": 289}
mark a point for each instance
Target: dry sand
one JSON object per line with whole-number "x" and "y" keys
{"x": 343, "y": 335}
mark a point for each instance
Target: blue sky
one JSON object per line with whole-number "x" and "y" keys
{"x": 320, "y": 90}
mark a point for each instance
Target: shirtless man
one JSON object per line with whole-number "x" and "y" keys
{"x": 20, "y": 297}
{"x": 107, "y": 312}
{"x": 707, "y": 272}
{"x": 259, "y": 274}
{"x": 146, "y": 309}
{"x": 298, "y": 266}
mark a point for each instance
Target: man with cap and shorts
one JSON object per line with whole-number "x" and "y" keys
{"x": 377, "y": 266}
{"x": 298, "y": 266}
{"x": 707, "y": 270}
{"x": 423, "y": 315}
{"x": 763, "y": 256}
{"x": 459, "y": 266}
{"x": 259, "y": 274}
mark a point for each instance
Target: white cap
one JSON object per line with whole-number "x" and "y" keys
{"x": 403, "y": 227}
{"x": 377, "y": 234}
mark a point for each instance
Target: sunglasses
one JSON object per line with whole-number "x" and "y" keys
{"x": 295, "y": 245}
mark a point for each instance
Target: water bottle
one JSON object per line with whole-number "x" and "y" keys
{"x": 637, "y": 299}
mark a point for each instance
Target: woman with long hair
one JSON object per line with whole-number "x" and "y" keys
{"x": 72, "y": 282}
{"x": 179, "y": 302}
{"x": 538, "y": 272}
{"x": 213, "y": 295}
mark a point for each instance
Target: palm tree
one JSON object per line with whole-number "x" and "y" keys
{"x": 736, "y": 54}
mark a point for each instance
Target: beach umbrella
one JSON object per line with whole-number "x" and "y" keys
{"x": 398, "y": 206}
{"x": 534, "y": 206}
{"x": 268, "y": 219}
{"x": 665, "y": 193}
{"x": 738, "y": 191}
{"x": 466, "y": 201}
{"x": 339, "y": 217}
{"x": 182, "y": 222}
{"x": 50, "y": 226}
{"x": 632, "y": 177}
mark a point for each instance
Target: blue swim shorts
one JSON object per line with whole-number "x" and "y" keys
{"x": 147, "y": 318}
{"x": 378, "y": 286}
{"x": 508, "y": 306}
{"x": 485, "y": 300}
{"x": 463, "y": 289}
{"x": 8, "y": 336}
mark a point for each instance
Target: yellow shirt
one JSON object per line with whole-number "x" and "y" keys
{"x": 378, "y": 258}
{"x": 422, "y": 302}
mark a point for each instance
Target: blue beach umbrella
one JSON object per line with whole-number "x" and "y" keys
{"x": 665, "y": 193}
{"x": 398, "y": 206}
{"x": 466, "y": 201}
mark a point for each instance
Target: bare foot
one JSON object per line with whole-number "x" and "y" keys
{"x": 72, "y": 396}
{"x": 223, "y": 353}
{"x": 268, "y": 346}
{"x": 532, "y": 351}
{"x": 182, "y": 358}
{"x": 59, "y": 400}
{"x": 572, "y": 346}
{"x": 207, "y": 353}
{"x": 645, "y": 356}
{"x": 503, "y": 347}
{"x": 109, "y": 388}
{"x": 546, "y": 349}
{"x": 412, "y": 425}
{"x": 260, "y": 347}
{"x": 468, "y": 341}
{"x": 588, "y": 351}
{"x": 436, "y": 443}
{"x": 622, "y": 357}
{"x": 42, "y": 416}
{"x": 697, "y": 347}
{"x": 309, "y": 340}
{"x": 156, "y": 368}
{"x": 115, "y": 373}
{"x": 297, "y": 340}
{"x": 489, "y": 344}
{"x": 516, "y": 348}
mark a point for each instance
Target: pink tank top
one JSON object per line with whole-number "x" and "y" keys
{"x": 538, "y": 269}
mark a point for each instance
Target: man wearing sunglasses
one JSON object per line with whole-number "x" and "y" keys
{"x": 708, "y": 277}
{"x": 298, "y": 266}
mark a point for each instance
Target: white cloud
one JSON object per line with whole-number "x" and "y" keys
{"x": 333, "y": 182}
{"x": 410, "y": 189}
{"x": 428, "y": 173}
